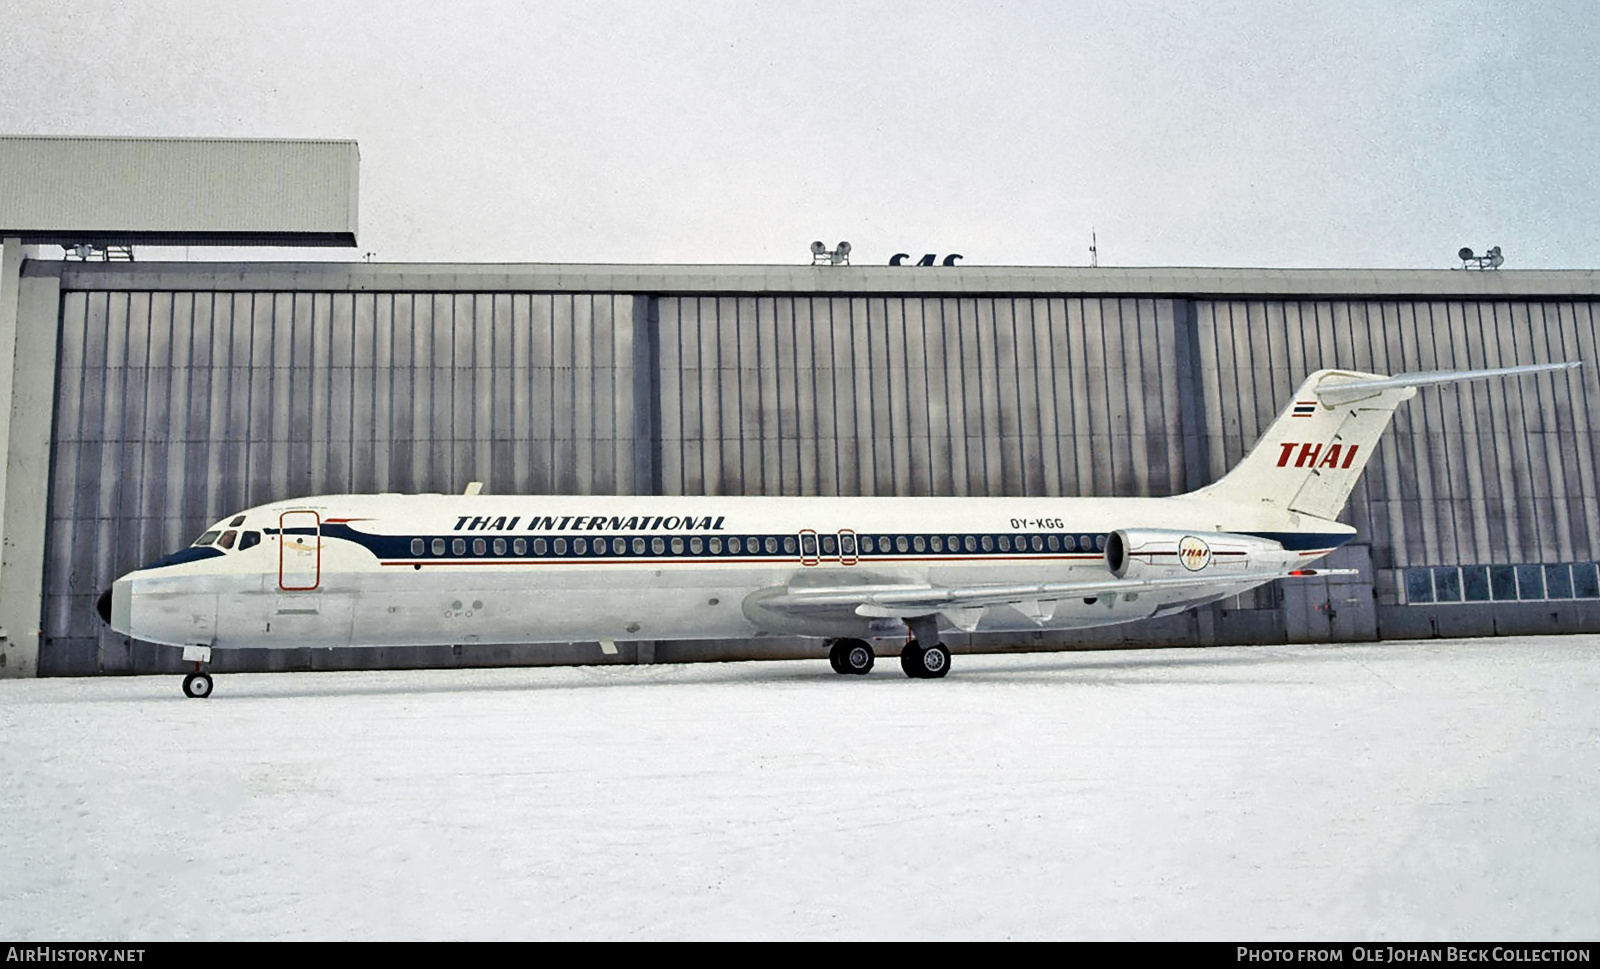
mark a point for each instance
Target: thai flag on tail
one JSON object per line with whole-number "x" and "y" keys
{"x": 1303, "y": 408}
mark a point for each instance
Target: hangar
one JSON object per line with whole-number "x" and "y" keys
{"x": 148, "y": 399}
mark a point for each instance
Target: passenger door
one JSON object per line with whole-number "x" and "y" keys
{"x": 299, "y": 551}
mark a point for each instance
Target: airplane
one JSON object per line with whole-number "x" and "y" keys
{"x": 433, "y": 569}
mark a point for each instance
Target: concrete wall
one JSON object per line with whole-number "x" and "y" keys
{"x": 187, "y": 391}
{"x": 27, "y": 388}
{"x": 178, "y": 191}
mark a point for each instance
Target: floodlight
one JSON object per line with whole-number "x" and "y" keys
{"x": 844, "y": 248}
{"x": 817, "y": 248}
{"x": 1464, "y": 254}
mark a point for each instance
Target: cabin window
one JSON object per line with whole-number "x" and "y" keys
{"x": 918, "y": 544}
{"x": 499, "y": 546}
{"x": 808, "y": 545}
{"x": 658, "y": 546}
{"x": 519, "y": 546}
{"x": 619, "y": 546}
{"x": 1054, "y": 541}
{"x": 830, "y": 545}
{"x": 772, "y": 546}
{"x": 580, "y": 546}
{"x": 236, "y": 522}
{"x": 540, "y": 546}
{"x": 847, "y": 543}
{"x": 970, "y": 543}
{"x": 638, "y": 546}
{"x": 677, "y": 545}
{"x": 1069, "y": 543}
{"x": 438, "y": 546}
{"x": 954, "y": 543}
{"x": 716, "y": 546}
{"x": 227, "y": 539}
{"x": 479, "y": 546}
{"x": 559, "y": 546}
{"x": 901, "y": 545}
{"x": 735, "y": 546}
{"x": 597, "y": 547}
{"x": 1038, "y": 543}
{"x": 1085, "y": 544}
{"x": 1005, "y": 543}
{"x": 249, "y": 540}
{"x": 206, "y": 539}
{"x": 936, "y": 543}
{"x": 418, "y": 546}
{"x": 458, "y": 546}
{"x": 987, "y": 542}
{"x": 697, "y": 545}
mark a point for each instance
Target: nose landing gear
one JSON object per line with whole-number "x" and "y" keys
{"x": 197, "y": 685}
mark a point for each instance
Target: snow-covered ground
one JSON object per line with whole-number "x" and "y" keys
{"x": 1439, "y": 790}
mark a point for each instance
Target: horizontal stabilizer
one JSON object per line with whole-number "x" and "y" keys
{"x": 1332, "y": 392}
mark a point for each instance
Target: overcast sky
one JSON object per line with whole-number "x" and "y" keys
{"x": 1250, "y": 133}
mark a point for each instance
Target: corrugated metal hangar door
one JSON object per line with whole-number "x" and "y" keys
{"x": 176, "y": 407}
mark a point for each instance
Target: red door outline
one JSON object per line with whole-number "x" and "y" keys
{"x": 300, "y": 520}
{"x": 850, "y": 557}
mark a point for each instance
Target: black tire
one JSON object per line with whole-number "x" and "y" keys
{"x": 836, "y": 655}
{"x": 935, "y": 661}
{"x": 197, "y": 685}
{"x": 856, "y": 657}
{"x": 911, "y": 660}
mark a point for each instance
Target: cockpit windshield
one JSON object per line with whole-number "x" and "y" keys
{"x": 207, "y": 538}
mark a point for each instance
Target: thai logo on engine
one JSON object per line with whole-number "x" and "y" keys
{"x": 1193, "y": 553}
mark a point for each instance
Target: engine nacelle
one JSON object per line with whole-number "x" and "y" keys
{"x": 1140, "y": 553}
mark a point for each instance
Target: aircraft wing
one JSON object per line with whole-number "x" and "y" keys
{"x": 964, "y": 604}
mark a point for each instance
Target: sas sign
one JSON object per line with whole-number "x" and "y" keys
{"x": 899, "y": 259}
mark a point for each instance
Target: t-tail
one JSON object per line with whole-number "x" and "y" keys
{"x": 1309, "y": 459}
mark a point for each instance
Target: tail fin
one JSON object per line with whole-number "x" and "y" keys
{"x": 1309, "y": 459}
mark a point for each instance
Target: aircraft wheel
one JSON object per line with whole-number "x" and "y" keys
{"x": 836, "y": 655}
{"x": 925, "y": 664}
{"x": 197, "y": 685}
{"x": 911, "y": 660}
{"x": 855, "y": 656}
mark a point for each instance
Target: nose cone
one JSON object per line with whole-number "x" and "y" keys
{"x": 115, "y": 605}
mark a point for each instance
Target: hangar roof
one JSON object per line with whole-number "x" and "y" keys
{"x": 841, "y": 280}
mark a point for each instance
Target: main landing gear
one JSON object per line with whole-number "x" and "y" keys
{"x": 924, "y": 662}
{"x": 919, "y": 662}
{"x": 851, "y": 656}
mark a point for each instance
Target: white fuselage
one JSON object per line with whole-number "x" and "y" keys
{"x": 384, "y": 570}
